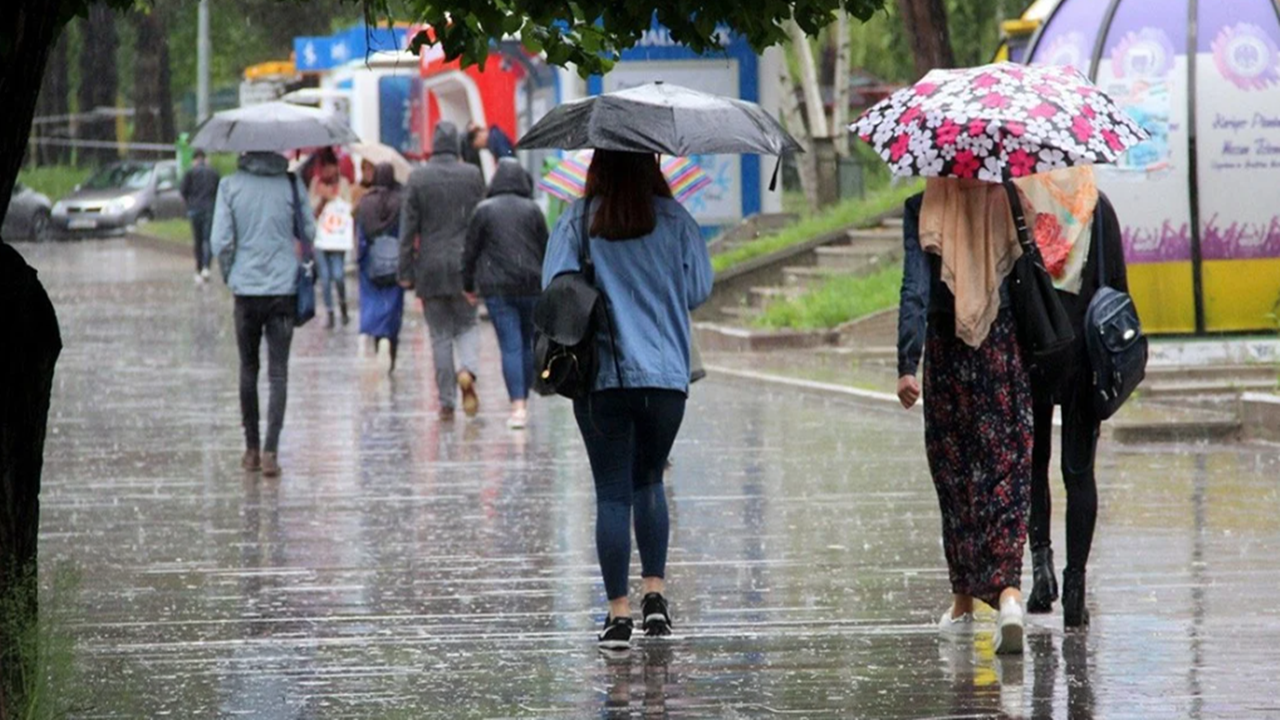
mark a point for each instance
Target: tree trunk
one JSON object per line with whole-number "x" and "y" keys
{"x": 98, "y": 81}
{"x": 840, "y": 86}
{"x": 27, "y": 376}
{"x": 815, "y": 111}
{"x": 152, "y": 96}
{"x": 926, "y": 25}
{"x": 805, "y": 165}
{"x": 54, "y": 102}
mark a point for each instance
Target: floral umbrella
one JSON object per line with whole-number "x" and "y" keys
{"x": 997, "y": 122}
{"x": 568, "y": 179}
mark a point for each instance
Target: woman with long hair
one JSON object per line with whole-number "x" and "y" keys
{"x": 652, "y": 265}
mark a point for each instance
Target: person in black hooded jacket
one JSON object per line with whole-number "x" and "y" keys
{"x": 502, "y": 261}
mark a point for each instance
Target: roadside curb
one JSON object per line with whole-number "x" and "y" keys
{"x": 881, "y": 398}
{"x": 152, "y": 242}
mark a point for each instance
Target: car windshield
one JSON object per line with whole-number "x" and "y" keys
{"x": 132, "y": 176}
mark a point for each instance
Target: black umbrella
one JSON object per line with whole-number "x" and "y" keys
{"x": 661, "y": 118}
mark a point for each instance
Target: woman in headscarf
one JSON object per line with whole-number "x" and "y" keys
{"x": 378, "y": 233}
{"x": 960, "y": 245}
{"x": 1069, "y": 213}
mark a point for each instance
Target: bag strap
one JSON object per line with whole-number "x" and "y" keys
{"x": 297, "y": 218}
{"x": 1097, "y": 240}
{"x": 588, "y": 267}
{"x": 1020, "y": 223}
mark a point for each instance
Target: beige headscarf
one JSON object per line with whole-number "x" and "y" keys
{"x": 1060, "y": 207}
{"x": 968, "y": 224}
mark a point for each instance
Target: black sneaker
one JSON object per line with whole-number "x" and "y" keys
{"x": 616, "y": 634}
{"x": 657, "y": 618}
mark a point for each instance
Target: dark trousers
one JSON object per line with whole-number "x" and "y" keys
{"x": 512, "y": 319}
{"x": 201, "y": 229}
{"x": 629, "y": 434}
{"x": 273, "y": 317}
{"x": 1079, "y": 447}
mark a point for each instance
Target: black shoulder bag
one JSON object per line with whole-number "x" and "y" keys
{"x": 305, "y": 306}
{"x": 1114, "y": 342}
{"x": 566, "y": 319}
{"x": 1044, "y": 328}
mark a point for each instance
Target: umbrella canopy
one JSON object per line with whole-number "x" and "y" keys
{"x": 568, "y": 179}
{"x": 661, "y": 118}
{"x": 272, "y": 127}
{"x": 996, "y": 122}
{"x": 378, "y": 153}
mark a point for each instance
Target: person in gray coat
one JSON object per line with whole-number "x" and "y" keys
{"x": 254, "y": 239}
{"x": 438, "y": 201}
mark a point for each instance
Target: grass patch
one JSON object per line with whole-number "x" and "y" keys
{"x": 836, "y": 301}
{"x": 177, "y": 230}
{"x": 44, "y": 651}
{"x": 849, "y": 213}
{"x": 56, "y": 181}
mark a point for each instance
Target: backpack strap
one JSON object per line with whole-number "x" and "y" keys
{"x": 297, "y": 218}
{"x": 589, "y": 270}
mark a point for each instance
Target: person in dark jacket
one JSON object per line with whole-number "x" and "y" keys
{"x": 199, "y": 189}
{"x": 960, "y": 245}
{"x": 438, "y": 202}
{"x": 1063, "y": 380}
{"x": 506, "y": 243}
{"x": 378, "y": 217}
{"x": 492, "y": 139}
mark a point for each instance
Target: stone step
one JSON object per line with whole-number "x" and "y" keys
{"x": 1195, "y": 388}
{"x": 888, "y": 236}
{"x": 1215, "y": 373}
{"x": 857, "y": 257}
{"x": 739, "y": 313}
{"x": 761, "y": 296}
{"x": 1177, "y": 431}
{"x": 893, "y": 223}
{"x": 807, "y": 277}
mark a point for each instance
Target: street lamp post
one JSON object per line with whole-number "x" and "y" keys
{"x": 203, "y": 51}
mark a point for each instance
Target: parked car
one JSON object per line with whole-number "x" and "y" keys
{"x": 120, "y": 196}
{"x": 28, "y": 216}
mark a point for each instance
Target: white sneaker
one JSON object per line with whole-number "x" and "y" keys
{"x": 519, "y": 420}
{"x": 204, "y": 274}
{"x": 199, "y": 279}
{"x": 1009, "y": 629}
{"x": 956, "y": 626}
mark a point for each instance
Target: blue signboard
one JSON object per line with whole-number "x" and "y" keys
{"x": 318, "y": 53}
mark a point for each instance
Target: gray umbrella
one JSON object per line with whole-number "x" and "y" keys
{"x": 661, "y": 118}
{"x": 273, "y": 127}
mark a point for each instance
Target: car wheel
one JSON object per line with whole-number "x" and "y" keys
{"x": 41, "y": 226}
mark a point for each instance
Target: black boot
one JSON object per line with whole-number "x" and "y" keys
{"x": 342, "y": 306}
{"x": 328, "y": 325}
{"x": 395, "y": 345}
{"x": 1074, "y": 613}
{"x": 1045, "y": 590}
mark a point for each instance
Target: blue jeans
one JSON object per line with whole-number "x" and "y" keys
{"x": 330, "y": 271}
{"x": 201, "y": 229}
{"x": 512, "y": 319}
{"x": 629, "y": 434}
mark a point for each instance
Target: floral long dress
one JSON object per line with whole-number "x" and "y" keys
{"x": 978, "y": 437}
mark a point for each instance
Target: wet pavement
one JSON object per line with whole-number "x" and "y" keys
{"x": 405, "y": 569}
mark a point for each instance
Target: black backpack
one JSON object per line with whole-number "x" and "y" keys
{"x": 384, "y": 260}
{"x": 1114, "y": 343}
{"x": 566, "y": 319}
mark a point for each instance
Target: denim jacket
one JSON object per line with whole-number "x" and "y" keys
{"x": 924, "y": 297}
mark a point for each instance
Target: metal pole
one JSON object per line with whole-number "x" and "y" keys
{"x": 203, "y": 51}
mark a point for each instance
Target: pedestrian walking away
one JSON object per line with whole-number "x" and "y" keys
{"x": 199, "y": 190}
{"x": 1068, "y": 213}
{"x": 438, "y": 201}
{"x": 651, "y": 264}
{"x": 255, "y": 241}
{"x": 960, "y": 245}
{"x": 378, "y": 229}
{"x": 492, "y": 139}
{"x": 506, "y": 243}
{"x": 330, "y": 195}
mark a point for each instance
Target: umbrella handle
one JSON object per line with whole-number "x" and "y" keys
{"x": 777, "y": 168}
